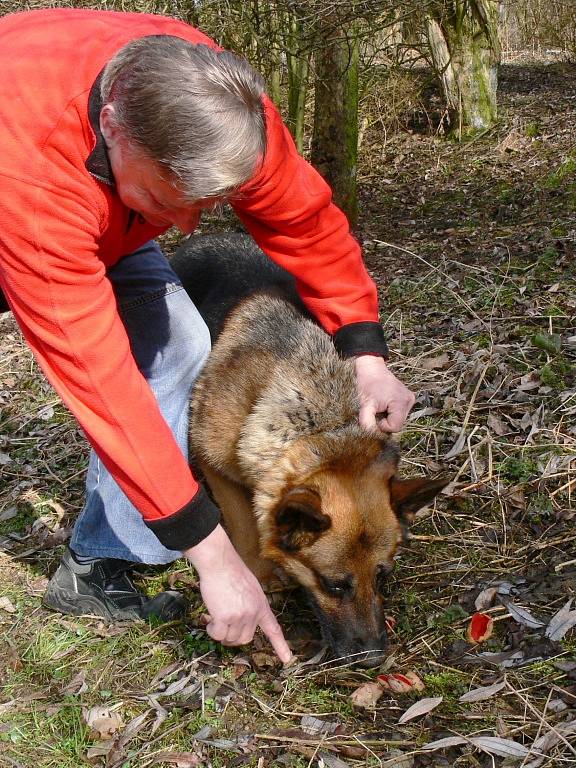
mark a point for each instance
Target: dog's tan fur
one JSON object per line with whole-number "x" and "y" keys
{"x": 300, "y": 484}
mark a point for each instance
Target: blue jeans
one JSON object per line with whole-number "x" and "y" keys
{"x": 170, "y": 343}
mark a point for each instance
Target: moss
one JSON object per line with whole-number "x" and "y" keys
{"x": 448, "y": 684}
{"x": 507, "y": 195}
{"x": 451, "y": 615}
{"x": 20, "y": 523}
{"x": 559, "y": 229}
{"x": 540, "y": 509}
{"x": 553, "y": 375}
{"x": 518, "y": 469}
{"x": 562, "y": 173}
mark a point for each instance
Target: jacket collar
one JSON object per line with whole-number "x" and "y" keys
{"x": 98, "y": 162}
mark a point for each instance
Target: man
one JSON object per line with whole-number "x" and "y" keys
{"x": 114, "y": 128}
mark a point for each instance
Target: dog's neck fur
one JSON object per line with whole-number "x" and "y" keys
{"x": 278, "y": 439}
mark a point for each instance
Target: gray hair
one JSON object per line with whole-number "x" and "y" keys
{"x": 196, "y": 111}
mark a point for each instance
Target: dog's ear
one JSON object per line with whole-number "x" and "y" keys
{"x": 299, "y": 519}
{"x": 410, "y": 495}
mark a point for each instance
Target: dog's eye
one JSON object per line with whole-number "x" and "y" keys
{"x": 338, "y": 588}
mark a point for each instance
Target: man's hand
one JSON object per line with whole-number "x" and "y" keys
{"x": 233, "y": 595}
{"x": 381, "y": 393}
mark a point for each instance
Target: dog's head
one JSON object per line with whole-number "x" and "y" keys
{"x": 336, "y": 533}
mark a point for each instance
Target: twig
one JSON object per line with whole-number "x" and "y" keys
{"x": 458, "y": 298}
{"x": 540, "y": 717}
{"x": 345, "y": 741}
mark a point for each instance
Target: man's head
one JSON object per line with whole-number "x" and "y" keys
{"x": 184, "y": 126}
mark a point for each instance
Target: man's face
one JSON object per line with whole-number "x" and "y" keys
{"x": 143, "y": 187}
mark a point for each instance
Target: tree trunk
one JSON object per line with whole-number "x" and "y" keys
{"x": 335, "y": 137}
{"x": 274, "y": 56}
{"x": 298, "y": 61}
{"x": 463, "y": 41}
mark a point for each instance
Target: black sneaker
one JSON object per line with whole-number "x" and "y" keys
{"x": 103, "y": 587}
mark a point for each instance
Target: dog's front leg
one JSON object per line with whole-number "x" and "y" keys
{"x": 236, "y": 507}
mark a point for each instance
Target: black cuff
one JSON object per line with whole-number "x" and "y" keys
{"x": 188, "y": 526}
{"x": 365, "y": 338}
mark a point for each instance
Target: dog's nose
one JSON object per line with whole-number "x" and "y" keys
{"x": 367, "y": 652}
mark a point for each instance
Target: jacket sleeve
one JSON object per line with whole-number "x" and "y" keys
{"x": 287, "y": 207}
{"x": 58, "y": 290}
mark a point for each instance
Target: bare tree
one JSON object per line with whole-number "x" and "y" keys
{"x": 335, "y": 135}
{"x": 465, "y": 51}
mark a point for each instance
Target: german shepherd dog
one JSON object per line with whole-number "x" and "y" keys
{"x": 275, "y": 432}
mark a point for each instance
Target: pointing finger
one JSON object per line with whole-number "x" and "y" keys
{"x": 274, "y": 633}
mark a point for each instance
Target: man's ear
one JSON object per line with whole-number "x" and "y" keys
{"x": 410, "y": 495}
{"x": 299, "y": 519}
{"x": 108, "y": 125}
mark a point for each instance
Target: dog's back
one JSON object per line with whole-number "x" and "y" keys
{"x": 218, "y": 271}
{"x": 273, "y": 374}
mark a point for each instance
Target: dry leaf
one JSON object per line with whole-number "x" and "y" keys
{"x": 449, "y": 741}
{"x": 263, "y": 660}
{"x": 99, "y": 749}
{"x": 165, "y": 672}
{"x": 7, "y": 605}
{"x": 102, "y": 721}
{"x": 480, "y": 628}
{"x": 421, "y": 707}
{"x": 13, "y": 660}
{"x": 316, "y": 727}
{"x": 494, "y": 745}
{"x": 557, "y": 705}
{"x": 366, "y": 696}
{"x": 458, "y": 446}
{"x": 504, "y": 659}
{"x": 486, "y": 598}
{"x": 238, "y": 670}
{"x": 77, "y": 685}
{"x": 419, "y": 414}
{"x": 161, "y": 715}
{"x": 515, "y": 498}
{"x": 523, "y": 616}
{"x": 544, "y": 743}
{"x": 179, "y": 759}
{"x": 8, "y": 513}
{"x": 496, "y": 425}
{"x": 177, "y": 686}
{"x": 133, "y": 728}
{"x": 481, "y": 694}
{"x": 561, "y": 622}
{"x": 395, "y": 758}
{"x": 327, "y": 760}
{"x": 435, "y": 363}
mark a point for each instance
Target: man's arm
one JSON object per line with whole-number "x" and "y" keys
{"x": 234, "y": 598}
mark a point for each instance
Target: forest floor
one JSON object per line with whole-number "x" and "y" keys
{"x": 473, "y": 248}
